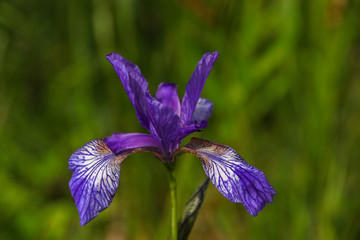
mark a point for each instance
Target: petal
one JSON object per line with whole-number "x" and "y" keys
{"x": 167, "y": 95}
{"x": 165, "y": 125}
{"x": 195, "y": 86}
{"x": 134, "y": 83}
{"x": 202, "y": 111}
{"x": 118, "y": 142}
{"x": 231, "y": 175}
{"x": 95, "y": 178}
{"x": 195, "y": 127}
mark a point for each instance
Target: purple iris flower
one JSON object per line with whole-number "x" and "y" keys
{"x": 96, "y": 165}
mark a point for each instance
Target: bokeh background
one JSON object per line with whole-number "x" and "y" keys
{"x": 286, "y": 91}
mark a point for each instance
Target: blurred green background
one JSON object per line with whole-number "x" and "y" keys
{"x": 286, "y": 96}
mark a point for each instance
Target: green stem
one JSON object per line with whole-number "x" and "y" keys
{"x": 172, "y": 182}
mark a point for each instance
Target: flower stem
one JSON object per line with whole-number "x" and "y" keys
{"x": 172, "y": 183}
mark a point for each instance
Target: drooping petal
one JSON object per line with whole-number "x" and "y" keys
{"x": 167, "y": 95}
{"x": 195, "y": 86}
{"x": 231, "y": 175}
{"x": 95, "y": 178}
{"x": 203, "y": 110}
{"x": 134, "y": 83}
{"x": 118, "y": 142}
{"x": 165, "y": 124}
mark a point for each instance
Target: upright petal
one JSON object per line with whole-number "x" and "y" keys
{"x": 134, "y": 83}
{"x": 95, "y": 178}
{"x": 231, "y": 175}
{"x": 167, "y": 95}
{"x": 165, "y": 124}
{"x": 202, "y": 111}
{"x": 118, "y": 142}
{"x": 195, "y": 85}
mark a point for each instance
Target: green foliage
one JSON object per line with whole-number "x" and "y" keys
{"x": 191, "y": 210}
{"x": 286, "y": 96}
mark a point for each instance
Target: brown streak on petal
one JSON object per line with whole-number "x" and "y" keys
{"x": 190, "y": 150}
{"x": 202, "y": 144}
{"x": 124, "y": 154}
{"x": 102, "y": 148}
{"x": 197, "y": 146}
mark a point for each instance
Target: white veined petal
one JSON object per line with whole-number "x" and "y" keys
{"x": 95, "y": 179}
{"x": 232, "y": 175}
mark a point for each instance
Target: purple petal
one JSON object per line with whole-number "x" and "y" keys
{"x": 195, "y": 86}
{"x": 134, "y": 83}
{"x": 195, "y": 127}
{"x": 167, "y": 95}
{"x": 202, "y": 111}
{"x": 165, "y": 125}
{"x": 232, "y": 176}
{"x": 123, "y": 141}
{"x": 95, "y": 179}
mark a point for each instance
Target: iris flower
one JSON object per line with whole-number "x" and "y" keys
{"x": 96, "y": 165}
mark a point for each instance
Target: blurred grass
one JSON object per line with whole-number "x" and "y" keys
{"x": 285, "y": 88}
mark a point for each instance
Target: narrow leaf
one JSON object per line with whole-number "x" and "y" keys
{"x": 191, "y": 210}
